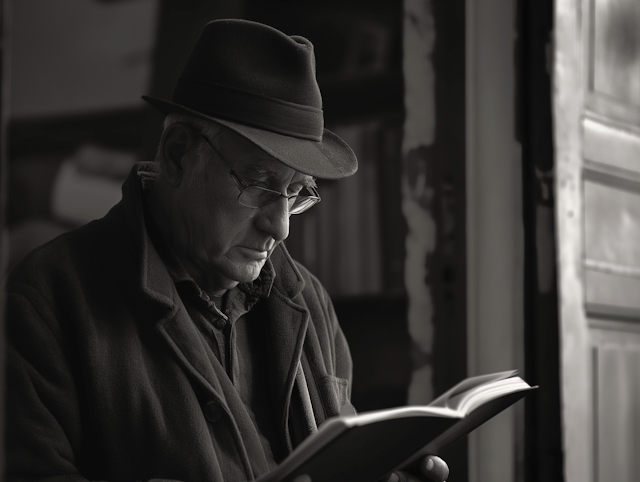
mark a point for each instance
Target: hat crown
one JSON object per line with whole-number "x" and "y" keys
{"x": 256, "y": 58}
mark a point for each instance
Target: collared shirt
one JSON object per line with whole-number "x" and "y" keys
{"x": 231, "y": 328}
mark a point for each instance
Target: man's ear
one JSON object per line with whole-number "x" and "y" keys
{"x": 177, "y": 140}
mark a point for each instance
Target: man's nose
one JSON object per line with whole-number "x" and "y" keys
{"x": 274, "y": 219}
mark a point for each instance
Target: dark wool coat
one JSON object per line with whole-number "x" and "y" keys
{"x": 108, "y": 378}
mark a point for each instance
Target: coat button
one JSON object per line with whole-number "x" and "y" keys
{"x": 212, "y": 411}
{"x": 220, "y": 323}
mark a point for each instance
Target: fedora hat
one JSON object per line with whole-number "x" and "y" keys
{"x": 261, "y": 83}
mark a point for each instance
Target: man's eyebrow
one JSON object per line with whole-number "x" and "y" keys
{"x": 257, "y": 170}
{"x": 260, "y": 171}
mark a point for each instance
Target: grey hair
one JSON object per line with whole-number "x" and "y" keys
{"x": 209, "y": 129}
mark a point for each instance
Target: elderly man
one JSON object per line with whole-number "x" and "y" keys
{"x": 175, "y": 338}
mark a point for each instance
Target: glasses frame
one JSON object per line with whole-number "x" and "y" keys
{"x": 243, "y": 187}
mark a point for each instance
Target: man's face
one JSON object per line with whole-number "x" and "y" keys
{"x": 222, "y": 241}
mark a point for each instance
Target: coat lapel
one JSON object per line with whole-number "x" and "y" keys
{"x": 203, "y": 368}
{"x": 183, "y": 339}
{"x": 177, "y": 328}
{"x": 162, "y": 304}
{"x": 287, "y": 327}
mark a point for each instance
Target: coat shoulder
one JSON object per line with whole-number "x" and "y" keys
{"x": 80, "y": 254}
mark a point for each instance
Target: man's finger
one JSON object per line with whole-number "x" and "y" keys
{"x": 302, "y": 478}
{"x": 434, "y": 468}
{"x": 401, "y": 477}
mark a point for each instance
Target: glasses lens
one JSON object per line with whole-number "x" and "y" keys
{"x": 302, "y": 203}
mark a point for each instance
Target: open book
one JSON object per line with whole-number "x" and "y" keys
{"x": 369, "y": 446}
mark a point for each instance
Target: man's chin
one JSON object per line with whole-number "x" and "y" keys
{"x": 246, "y": 273}
{"x": 228, "y": 273}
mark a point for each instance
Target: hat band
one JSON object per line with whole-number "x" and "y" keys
{"x": 237, "y": 105}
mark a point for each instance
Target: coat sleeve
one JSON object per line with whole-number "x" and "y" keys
{"x": 43, "y": 402}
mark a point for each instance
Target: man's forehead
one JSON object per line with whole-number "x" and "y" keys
{"x": 269, "y": 167}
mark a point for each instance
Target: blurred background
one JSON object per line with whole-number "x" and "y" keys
{"x": 493, "y": 223}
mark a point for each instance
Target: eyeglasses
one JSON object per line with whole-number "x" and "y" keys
{"x": 253, "y": 196}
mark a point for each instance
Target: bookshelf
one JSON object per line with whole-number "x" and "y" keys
{"x": 353, "y": 239}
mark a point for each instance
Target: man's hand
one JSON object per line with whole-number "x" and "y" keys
{"x": 432, "y": 468}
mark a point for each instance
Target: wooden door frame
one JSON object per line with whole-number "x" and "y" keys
{"x": 575, "y": 360}
{"x": 495, "y": 250}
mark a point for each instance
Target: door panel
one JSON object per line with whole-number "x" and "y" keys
{"x": 612, "y": 219}
{"x": 616, "y": 148}
{"x": 613, "y": 52}
{"x": 616, "y": 42}
{"x": 616, "y": 363}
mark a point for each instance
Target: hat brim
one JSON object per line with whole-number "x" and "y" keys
{"x": 331, "y": 158}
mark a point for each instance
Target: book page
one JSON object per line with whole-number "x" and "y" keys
{"x": 484, "y": 394}
{"x": 445, "y": 400}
